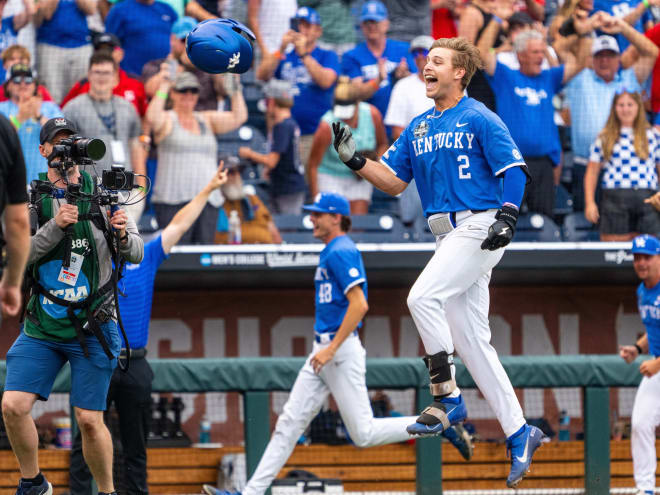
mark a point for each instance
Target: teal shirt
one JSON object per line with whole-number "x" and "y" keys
{"x": 364, "y": 136}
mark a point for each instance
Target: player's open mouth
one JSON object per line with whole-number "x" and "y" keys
{"x": 431, "y": 82}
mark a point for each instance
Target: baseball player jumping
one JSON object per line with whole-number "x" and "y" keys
{"x": 337, "y": 363}
{"x": 646, "y": 413}
{"x": 471, "y": 178}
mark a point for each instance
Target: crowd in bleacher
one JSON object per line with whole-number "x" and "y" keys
{"x": 575, "y": 81}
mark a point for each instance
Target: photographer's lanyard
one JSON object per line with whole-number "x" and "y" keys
{"x": 110, "y": 123}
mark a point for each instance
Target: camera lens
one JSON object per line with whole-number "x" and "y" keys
{"x": 90, "y": 148}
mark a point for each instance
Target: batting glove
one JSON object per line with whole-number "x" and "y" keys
{"x": 502, "y": 230}
{"x": 345, "y": 146}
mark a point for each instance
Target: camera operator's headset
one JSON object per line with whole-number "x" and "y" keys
{"x": 34, "y": 288}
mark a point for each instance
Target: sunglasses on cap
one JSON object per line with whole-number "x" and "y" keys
{"x": 193, "y": 91}
{"x": 22, "y": 79}
{"x": 419, "y": 51}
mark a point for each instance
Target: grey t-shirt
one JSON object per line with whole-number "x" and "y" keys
{"x": 408, "y": 18}
{"x": 115, "y": 119}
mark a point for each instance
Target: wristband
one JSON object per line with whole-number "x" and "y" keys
{"x": 374, "y": 84}
{"x": 500, "y": 21}
{"x": 356, "y": 162}
{"x": 161, "y": 94}
{"x": 639, "y": 349}
{"x": 646, "y": 3}
{"x": 278, "y": 54}
{"x": 14, "y": 120}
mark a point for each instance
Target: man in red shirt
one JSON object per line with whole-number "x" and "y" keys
{"x": 128, "y": 88}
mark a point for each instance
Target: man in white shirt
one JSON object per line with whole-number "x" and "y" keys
{"x": 407, "y": 101}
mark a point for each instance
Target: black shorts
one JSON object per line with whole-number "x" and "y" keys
{"x": 623, "y": 211}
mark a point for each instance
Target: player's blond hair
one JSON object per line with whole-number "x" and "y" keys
{"x": 612, "y": 130}
{"x": 465, "y": 56}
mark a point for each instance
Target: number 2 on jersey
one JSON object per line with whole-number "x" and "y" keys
{"x": 325, "y": 293}
{"x": 464, "y": 164}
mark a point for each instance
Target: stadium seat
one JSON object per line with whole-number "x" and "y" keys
{"x": 365, "y": 228}
{"x": 376, "y": 228}
{"x": 535, "y": 227}
{"x": 245, "y": 135}
{"x": 576, "y": 228}
{"x": 563, "y": 202}
{"x": 383, "y": 203}
{"x": 295, "y": 229}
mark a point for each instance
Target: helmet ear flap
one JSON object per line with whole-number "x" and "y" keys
{"x": 220, "y": 45}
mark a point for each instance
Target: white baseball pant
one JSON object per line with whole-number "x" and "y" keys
{"x": 449, "y": 304}
{"x": 344, "y": 377}
{"x": 644, "y": 421}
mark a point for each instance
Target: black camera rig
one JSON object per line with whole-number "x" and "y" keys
{"x": 76, "y": 150}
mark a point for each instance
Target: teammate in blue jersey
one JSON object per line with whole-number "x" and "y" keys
{"x": 337, "y": 363}
{"x": 131, "y": 391}
{"x": 646, "y": 408}
{"x": 470, "y": 177}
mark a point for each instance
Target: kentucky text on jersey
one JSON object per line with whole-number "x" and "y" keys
{"x": 457, "y": 157}
{"x": 455, "y": 140}
{"x": 648, "y": 304}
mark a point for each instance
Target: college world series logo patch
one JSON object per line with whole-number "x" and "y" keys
{"x": 421, "y": 130}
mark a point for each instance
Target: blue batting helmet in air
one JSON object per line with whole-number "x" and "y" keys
{"x": 220, "y": 45}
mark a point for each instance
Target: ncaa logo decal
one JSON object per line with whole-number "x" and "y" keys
{"x": 353, "y": 272}
{"x": 421, "y": 130}
{"x": 517, "y": 155}
{"x": 234, "y": 60}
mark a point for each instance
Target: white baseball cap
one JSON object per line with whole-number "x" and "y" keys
{"x": 603, "y": 43}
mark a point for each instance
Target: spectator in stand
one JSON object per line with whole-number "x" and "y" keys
{"x": 284, "y": 169}
{"x": 337, "y": 24}
{"x": 131, "y": 89}
{"x": 12, "y": 24}
{"x": 283, "y": 166}
{"x": 408, "y": 19}
{"x": 628, "y": 151}
{"x": 524, "y": 103}
{"x": 310, "y": 69}
{"x": 409, "y": 100}
{"x": 187, "y": 150}
{"x": 101, "y": 114}
{"x": 444, "y": 18}
{"x": 534, "y": 8}
{"x": 327, "y": 173}
{"x": 563, "y": 25}
{"x": 28, "y": 112}
{"x": 203, "y": 10}
{"x": 269, "y": 21}
{"x": 376, "y": 64}
{"x": 143, "y": 28}
{"x": 211, "y": 85}
{"x": 589, "y": 95}
{"x": 63, "y": 43}
{"x": 473, "y": 21}
{"x": 257, "y": 225}
{"x": 633, "y": 12}
{"x": 18, "y": 54}
{"x": 517, "y": 23}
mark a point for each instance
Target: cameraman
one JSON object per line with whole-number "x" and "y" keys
{"x": 65, "y": 306}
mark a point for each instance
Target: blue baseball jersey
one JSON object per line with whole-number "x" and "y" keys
{"x": 648, "y": 304}
{"x": 456, "y": 157}
{"x": 138, "y": 286}
{"x": 340, "y": 268}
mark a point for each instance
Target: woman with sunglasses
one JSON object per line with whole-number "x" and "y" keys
{"x": 627, "y": 151}
{"x": 187, "y": 148}
{"x": 27, "y": 110}
{"x": 327, "y": 173}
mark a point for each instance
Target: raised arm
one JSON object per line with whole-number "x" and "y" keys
{"x": 25, "y": 16}
{"x": 485, "y": 46}
{"x": 222, "y": 122}
{"x": 187, "y": 215}
{"x": 156, "y": 117}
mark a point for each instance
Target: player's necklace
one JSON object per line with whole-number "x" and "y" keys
{"x": 435, "y": 110}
